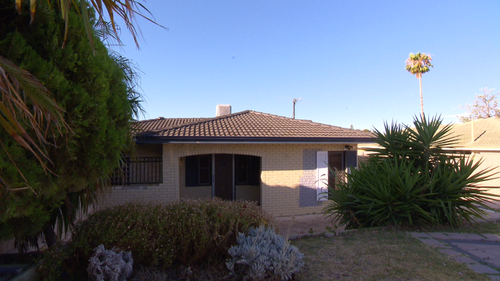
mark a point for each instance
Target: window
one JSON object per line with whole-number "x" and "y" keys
{"x": 204, "y": 170}
{"x": 199, "y": 170}
{"x": 336, "y": 167}
{"x": 247, "y": 170}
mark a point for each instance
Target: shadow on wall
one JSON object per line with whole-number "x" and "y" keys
{"x": 308, "y": 193}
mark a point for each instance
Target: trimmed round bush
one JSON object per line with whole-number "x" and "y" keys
{"x": 159, "y": 235}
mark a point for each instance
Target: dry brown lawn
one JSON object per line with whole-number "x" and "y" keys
{"x": 377, "y": 255}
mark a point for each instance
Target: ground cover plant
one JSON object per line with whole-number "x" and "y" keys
{"x": 185, "y": 233}
{"x": 377, "y": 254}
{"x": 411, "y": 180}
{"x": 264, "y": 255}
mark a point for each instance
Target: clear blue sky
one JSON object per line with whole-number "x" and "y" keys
{"x": 345, "y": 59}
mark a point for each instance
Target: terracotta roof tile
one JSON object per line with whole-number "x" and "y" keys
{"x": 245, "y": 124}
{"x": 160, "y": 122}
{"x": 486, "y": 133}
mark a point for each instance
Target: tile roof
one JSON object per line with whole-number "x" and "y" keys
{"x": 161, "y": 122}
{"x": 246, "y": 126}
{"x": 486, "y": 134}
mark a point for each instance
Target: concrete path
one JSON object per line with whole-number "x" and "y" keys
{"x": 480, "y": 252}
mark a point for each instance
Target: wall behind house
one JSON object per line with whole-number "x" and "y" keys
{"x": 491, "y": 160}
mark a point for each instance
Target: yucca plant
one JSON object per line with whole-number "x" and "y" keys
{"x": 411, "y": 180}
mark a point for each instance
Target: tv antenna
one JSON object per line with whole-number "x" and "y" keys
{"x": 294, "y": 102}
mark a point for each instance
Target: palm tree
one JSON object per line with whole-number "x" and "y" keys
{"x": 26, "y": 106}
{"x": 418, "y": 64}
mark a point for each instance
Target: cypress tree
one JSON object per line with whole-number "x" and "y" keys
{"x": 92, "y": 86}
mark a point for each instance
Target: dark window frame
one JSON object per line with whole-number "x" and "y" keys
{"x": 247, "y": 169}
{"x": 197, "y": 172}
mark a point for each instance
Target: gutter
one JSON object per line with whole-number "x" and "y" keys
{"x": 458, "y": 149}
{"x": 473, "y": 149}
{"x": 250, "y": 140}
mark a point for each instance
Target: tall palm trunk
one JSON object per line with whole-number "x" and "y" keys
{"x": 421, "y": 97}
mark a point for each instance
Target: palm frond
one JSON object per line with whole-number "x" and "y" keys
{"x": 127, "y": 10}
{"x": 418, "y": 63}
{"x": 18, "y": 90}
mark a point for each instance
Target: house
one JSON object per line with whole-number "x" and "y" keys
{"x": 278, "y": 162}
{"x": 481, "y": 139}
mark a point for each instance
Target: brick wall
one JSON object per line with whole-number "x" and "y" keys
{"x": 287, "y": 177}
{"x": 135, "y": 193}
{"x": 195, "y": 192}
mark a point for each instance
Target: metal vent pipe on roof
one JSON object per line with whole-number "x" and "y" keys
{"x": 222, "y": 109}
{"x": 472, "y": 131}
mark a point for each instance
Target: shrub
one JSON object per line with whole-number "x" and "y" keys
{"x": 158, "y": 235}
{"x": 264, "y": 255}
{"x": 52, "y": 262}
{"x": 411, "y": 180}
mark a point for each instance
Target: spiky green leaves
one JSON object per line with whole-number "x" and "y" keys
{"x": 412, "y": 179}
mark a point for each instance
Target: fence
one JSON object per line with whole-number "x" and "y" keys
{"x": 138, "y": 170}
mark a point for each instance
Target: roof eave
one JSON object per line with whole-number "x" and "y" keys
{"x": 481, "y": 149}
{"x": 241, "y": 140}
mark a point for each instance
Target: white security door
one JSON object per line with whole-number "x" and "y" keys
{"x": 322, "y": 175}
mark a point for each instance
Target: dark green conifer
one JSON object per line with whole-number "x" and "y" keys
{"x": 92, "y": 86}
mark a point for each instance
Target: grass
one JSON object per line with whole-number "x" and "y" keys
{"x": 367, "y": 254}
{"x": 383, "y": 254}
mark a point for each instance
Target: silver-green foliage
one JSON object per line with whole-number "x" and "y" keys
{"x": 110, "y": 265}
{"x": 264, "y": 255}
{"x": 412, "y": 179}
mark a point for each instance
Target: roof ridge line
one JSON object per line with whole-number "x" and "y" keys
{"x": 198, "y": 122}
{"x": 164, "y": 118}
{"x": 283, "y": 117}
{"x": 149, "y": 120}
{"x": 305, "y": 121}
